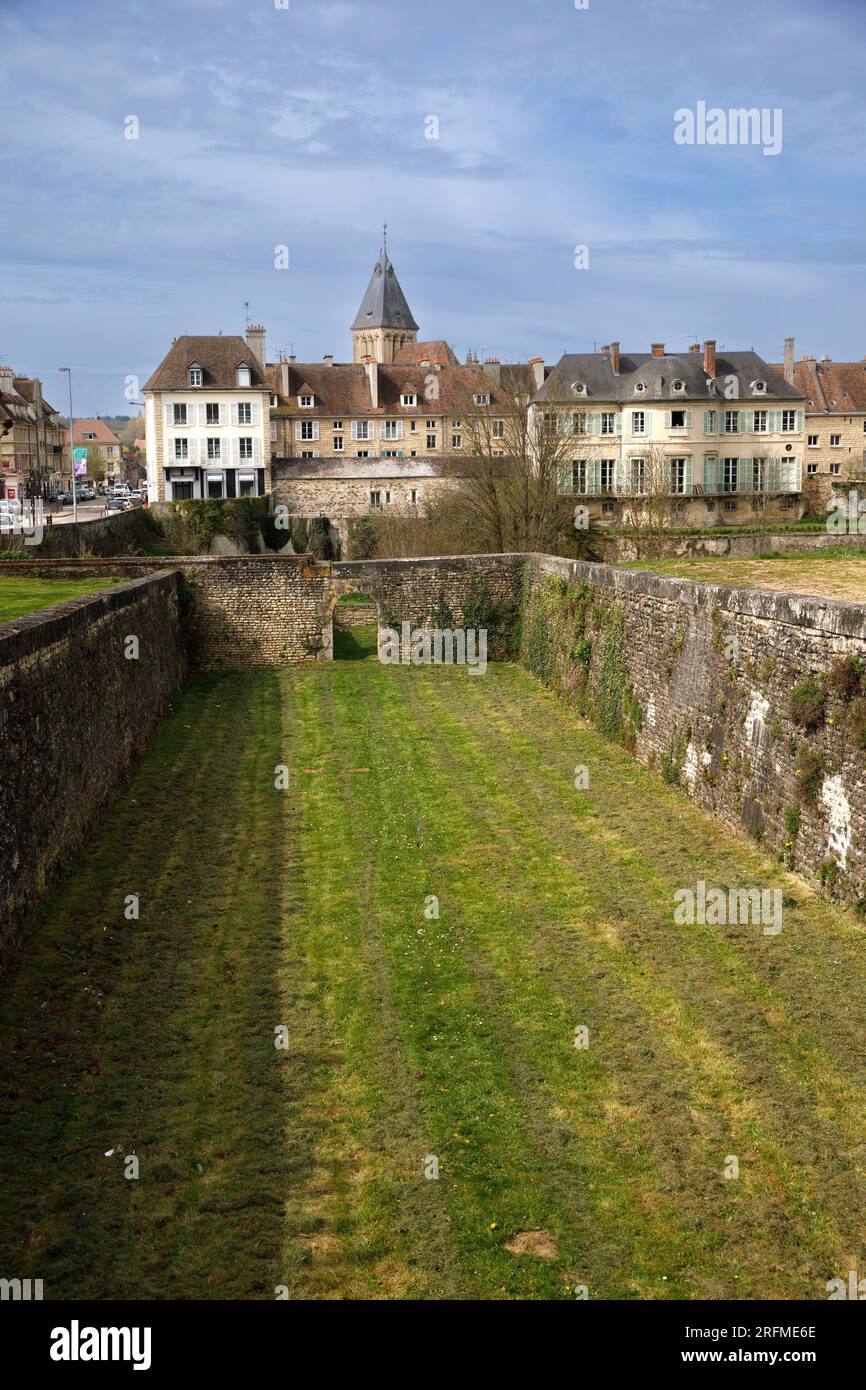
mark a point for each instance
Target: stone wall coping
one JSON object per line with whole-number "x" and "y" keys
{"x": 23, "y": 636}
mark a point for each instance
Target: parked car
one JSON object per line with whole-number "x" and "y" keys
{"x": 64, "y": 498}
{"x": 101, "y": 489}
{"x": 117, "y": 504}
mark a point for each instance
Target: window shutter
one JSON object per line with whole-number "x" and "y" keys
{"x": 234, "y": 410}
{"x": 315, "y": 430}
{"x": 709, "y": 422}
{"x": 169, "y": 416}
{"x": 799, "y": 419}
{"x": 256, "y": 413}
{"x": 222, "y": 412}
{"x": 668, "y": 418}
{"x": 298, "y": 430}
{"x": 617, "y": 422}
{"x": 592, "y": 477}
{"x": 774, "y": 421}
{"x": 744, "y": 479}
{"x": 191, "y": 448}
{"x": 648, "y": 422}
{"x": 709, "y": 475}
{"x": 747, "y": 421}
{"x": 688, "y": 474}
{"x": 688, "y": 419}
{"x": 594, "y": 422}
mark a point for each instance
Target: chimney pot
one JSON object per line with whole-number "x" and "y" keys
{"x": 329, "y": 359}
{"x": 658, "y": 349}
{"x": 694, "y": 347}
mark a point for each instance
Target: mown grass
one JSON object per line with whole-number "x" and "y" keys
{"x": 20, "y": 596}
{"x": 837, "y": 572}
{"x": 413, "y": 1035}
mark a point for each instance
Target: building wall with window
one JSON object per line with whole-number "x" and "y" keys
{"x": 206, "y": 422}
{"x": 724, "y": 443}
{"x": 834, "y": 456}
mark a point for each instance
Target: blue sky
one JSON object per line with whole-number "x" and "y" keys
{"x": 305, "y": 127}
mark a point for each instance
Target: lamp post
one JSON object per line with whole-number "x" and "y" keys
{"x": 68, "y": 371}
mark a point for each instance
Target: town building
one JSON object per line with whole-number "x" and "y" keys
{"x": 206, "y": 419}
{"x": 723, "y": 432}
{"x": 102, "y": 444}
{"x": 835, "y": 404}
{"x": 34, "y": 448}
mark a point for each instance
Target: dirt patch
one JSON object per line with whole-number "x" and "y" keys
{"x": 540, "y": 1243}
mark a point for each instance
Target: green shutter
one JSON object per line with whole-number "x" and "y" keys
{"x": 799, "y": 419}
{"x": 617, "y": 422}
{"x": 747, "y": 421}
{"x": 774, "y": 421}
{"x": 709, "y": 422}
{"x": 744, "y": 475}
{"x": 710, "y": 466}
{"x": 592, "y": 477}
{"x": 689, "y": 477}
{"x": 593, "y": 423}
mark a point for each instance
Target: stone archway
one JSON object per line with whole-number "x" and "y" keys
{"x": 354, "y": 597}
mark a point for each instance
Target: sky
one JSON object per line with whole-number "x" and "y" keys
{"x": 306, "y": 124}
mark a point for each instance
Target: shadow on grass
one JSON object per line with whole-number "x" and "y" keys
{"x": 356, "y": 643}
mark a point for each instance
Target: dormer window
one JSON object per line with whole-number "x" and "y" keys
{"x": 243, "y": 376}
{"x": 579, "y": 388}
{"x": 194, "y": 376}
{"x": 640, "y": 387}
{"x": 677, "y": 386}
{"x": 759, "y": 387}
{"x": 408, "y": 398}
{"x": 482, "y": 400}
{"x": 305, "y": 402}
{"x": 274, "y": 402}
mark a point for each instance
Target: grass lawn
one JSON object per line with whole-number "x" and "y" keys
{"x": 833, "y": 573}
{"x": 412, "y": 1035}
{"x": 24, "y": 595}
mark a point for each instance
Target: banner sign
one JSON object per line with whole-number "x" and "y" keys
{"x": 80, "y": 462}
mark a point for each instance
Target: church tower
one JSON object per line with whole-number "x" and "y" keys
{"x": 384, "y": 322}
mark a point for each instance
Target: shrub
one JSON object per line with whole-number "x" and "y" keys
{"x": 857, "y": 721}
{"x": 807, "y": 700}
{"x": 809, "y": 771}
{"x": 846, "y": 676}
{"x": 792, "y": 822}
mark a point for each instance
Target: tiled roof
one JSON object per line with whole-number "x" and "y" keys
{"x": 593, "y": 370}
{"x": 217, "y": 355}
{"x": 831, "y": 387}
{"x": 98, "y": 428}
{"x": 344, "y": 389}
{"x": 437, "y": 351}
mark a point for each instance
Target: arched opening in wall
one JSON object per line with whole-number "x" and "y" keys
{"x": 356, "y": 627}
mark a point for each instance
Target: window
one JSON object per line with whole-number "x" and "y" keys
{"x": 457, "y": 441}
{"x": 246, "y": 486}
{"x": 812, "y": 441}
{"x": 179, "y": 414}
{"x": 811, "y": 468}
{"x": 392, "y": 453}
{"x": 212, "y": 413}
{"x": 578, "y": 422}
{"x": 709, "y": 422}
{"x": 498, "y": 429}
{"x": 274, "y": 402}
{"x": 305, "y": 401}
{"x": 607, "y": 422}
{"x": 214, "y": 485}
{"x": 606, "y": 471}
{"x": 181, "y": 492}
{"x": 194, "y": 376}
{"x": 759, "y": 475}
{"x": 678, "y": 475}
{"x": 787, "y": 503}
{"x": 638, "y": 476}
{"x": 408, "y": 398}
{"x": 307, "y": 454}
{"x": 607, "y": 508}
{"x": 789, "y": 421}
{"x": 413, "y": 496}
{"x": 729, "y": 475}
{"x": 678, "y": 420}
{"x": 245, "y": 447}
{"x": 273, "y": 431}
{"x": 431, "y": 424}
{"x": 375, "y": 499}
{"x": 338, "y": 425}
{"x": 88, "y": 434}
{"x": 835, "y": 441}
{"x": 730, "y": 506}
{"x": 361, "y": 429}
{"x": 732, "y": 422}
{"x": 213, "y": 452}
{"x": 482, "y": 399}
{"x": 243, "y": 376}
{"x": 181, "y": 448}
{"x": 760, "y": 425}
{"x": 638, "y": 422}
{"x": 338, "y": 443}
{"x": 834, "y": 469}
{"x": 245, "y": 413}
{"x": 362, "y": 453}
{"x": 578, "y": 475}
{"x": 431, "y": 441}
{"x": 677, "y": 386}
{"x": 307, "y": 428}
{"x": 392, "y": 429}
{"x": 413, "y": 426}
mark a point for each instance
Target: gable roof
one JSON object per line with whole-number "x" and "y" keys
{"x": 343, "y": 389}
{"x": 593, "y": 370}
{"x": 98, "y": 428}
{"x": 218, "y": 355}
{"x": 436, "y": 351}
{"x": 384, "y": 303}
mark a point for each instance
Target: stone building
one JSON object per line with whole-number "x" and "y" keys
{"x": 723, "y": 432}
{"x": 835, "y": 403}
{"x": 100, "y": 443}
{"x": 383, "y": 325}
{"x": 34, "y": 445}
{"x": 206, "y": 411}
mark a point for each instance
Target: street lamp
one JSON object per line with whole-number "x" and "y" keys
{"x": 68, "y": 371}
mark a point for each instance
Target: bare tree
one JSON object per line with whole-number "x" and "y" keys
{"x": 648, "y": 507}
{"x": 766, "y": 488}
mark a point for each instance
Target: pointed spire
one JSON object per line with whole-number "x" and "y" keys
{"x": 384, "y": 304}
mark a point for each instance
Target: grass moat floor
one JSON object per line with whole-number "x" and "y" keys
{"x": 25, "y": 595}
{"x": 411, "y": 1036}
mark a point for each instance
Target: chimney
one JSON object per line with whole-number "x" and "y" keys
{"x": 710, "y": 357}
{"x": 789, "y": 360}
{"x": 284, "y": 376}
{"x": 694, "y": 347}
{"x": 256, "y": 343}
{"x": 493, "y": 368}
{"x": 329, "y": 359}
{"x": 373, "y": 377}
{"x": 537, "y": 365}
{"x": 613, "y": 352}
{"x": 658, "y": 349}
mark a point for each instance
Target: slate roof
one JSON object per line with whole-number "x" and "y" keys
{"x": 218, "y": 356}
{"x": 831, "y": 387}
{"x": 593, "y": 370}
{"x": 384, "y": 303}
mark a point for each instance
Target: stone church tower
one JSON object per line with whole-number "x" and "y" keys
{"x": 384, "y": 322}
